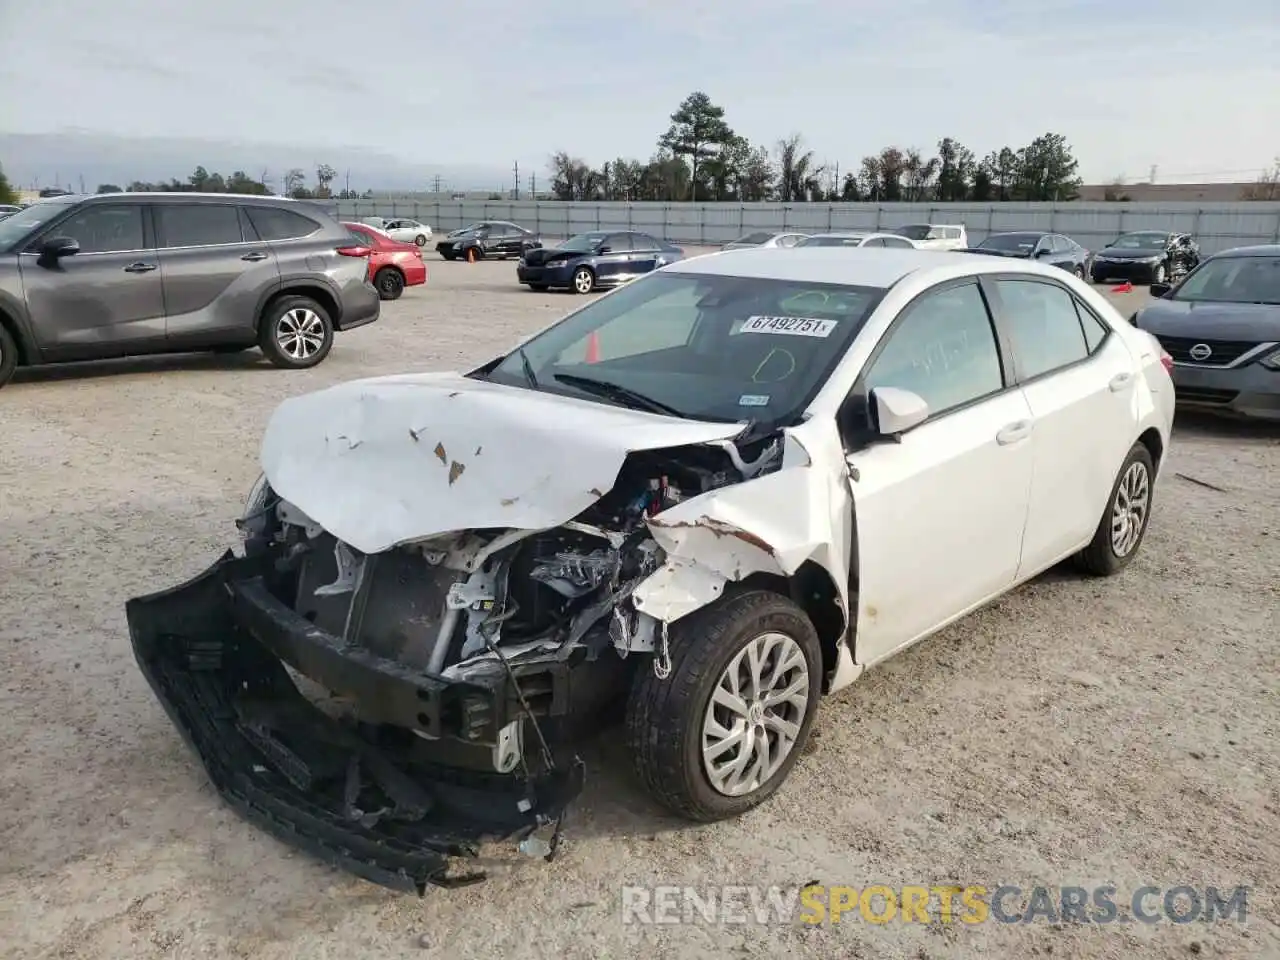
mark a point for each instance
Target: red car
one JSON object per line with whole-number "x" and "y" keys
{"x": 392, "y": 265}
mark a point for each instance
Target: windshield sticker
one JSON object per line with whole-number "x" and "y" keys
{"x": 753, "y": 400}
{"x": 789, "y": 326}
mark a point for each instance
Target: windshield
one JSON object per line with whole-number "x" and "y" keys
{"x": 583, "y": 242}
{"x": 471, "y": 228}
{"x": 1227, "y": 280}
{"x": 17, "y": 226}
{"x": 719, "y": 348}
{"x": 914, "y": 231}
{"x": 1012, "y": 242}
{"x": 1141, "y": 241}
{"x": 754, "y": 239}
{"x": 851, "y": 241}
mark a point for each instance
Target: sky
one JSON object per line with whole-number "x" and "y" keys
{"x": 1188, "y": 86}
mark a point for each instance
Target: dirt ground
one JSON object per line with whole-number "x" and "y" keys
{"x": 1076, "y": 733}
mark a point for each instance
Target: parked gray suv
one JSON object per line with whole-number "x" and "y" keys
{"x": 90, "y": 278}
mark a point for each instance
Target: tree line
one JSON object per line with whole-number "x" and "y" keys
{"x": 701, "y": 158}
{"x": 292, "y": 184}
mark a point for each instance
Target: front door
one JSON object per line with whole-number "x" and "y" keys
{"x": 1079, "y": 382}
{"x": 614, "y": 264}
{"x": 105, "y": 300}
{"x": 939, "y": 516}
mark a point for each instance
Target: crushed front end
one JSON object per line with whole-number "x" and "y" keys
{"x": 390, "y": 711}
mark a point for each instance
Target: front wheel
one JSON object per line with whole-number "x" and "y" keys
{"x": 720, "y": 733}
{"x": 296, "y": 333}
{"x": 8, "y": 356}
{"x": 1079, "y": 272}
{"x": 420, "y": 239}
{"x": 1124, "y": 523}
{"x": 583, "y": 280}
{"x": 1159, "y": 273}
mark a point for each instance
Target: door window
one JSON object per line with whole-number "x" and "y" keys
{"x": 1044, "y": 327}
{"x": 874, "y": 242}
{"x": 197, "y": 224}
{"x": 272, "y": 223}
{"x": 104, "y": 229}
{"x": 943, "y": 348}
{"x": 619, "y": 242}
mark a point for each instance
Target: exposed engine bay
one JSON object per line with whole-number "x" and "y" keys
{"x": 459, "y": 604}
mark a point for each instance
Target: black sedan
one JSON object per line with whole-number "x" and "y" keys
{"x": 1051, "y": 248}
{"x": 1221, "y": 326}
{"x": 488, "y": 238}
{"x": 593, "y": 261}
{"x": 1146, "y": 256}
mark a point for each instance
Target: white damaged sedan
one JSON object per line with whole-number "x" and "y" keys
{"x": 714, "y": 495}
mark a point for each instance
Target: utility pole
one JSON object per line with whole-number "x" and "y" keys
{"x": 82, "y": 184}
{"x": 516, "y": 170}
{"x": 1154, "y": 168}
{"x": 437, "y": 183}
{"x": 835, "y": 183}
{"x": 346, "y": 190}
{"x": 533, "y": 186}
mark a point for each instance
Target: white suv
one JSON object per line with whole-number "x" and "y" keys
{"x": 935, "y": 236}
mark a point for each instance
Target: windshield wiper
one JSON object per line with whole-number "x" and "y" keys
{"x": 527, "y": 367}
{"x": 615, "y": 391}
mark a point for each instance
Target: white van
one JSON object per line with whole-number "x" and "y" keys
{"x": 935, "y": 236}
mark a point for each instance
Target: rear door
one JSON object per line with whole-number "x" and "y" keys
{"x": 1079, "y": 381}
{"x": 644, "y": 253}
{"x": 105, "y": 299}
{"x": 214, "y": 267}
{"x": 615, "y": 263}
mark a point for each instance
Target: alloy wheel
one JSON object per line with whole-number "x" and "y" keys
{"x": 1129, "y": 511}
{"x": 582, "y": 281}
{"x": 300, "y": 333}
{"x": 755, "y": 714}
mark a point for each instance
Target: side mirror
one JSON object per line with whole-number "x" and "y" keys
{"x": 57, "y": 247}
{"x": 1160, "y": 289}
{"x": 604, "y": 248}
{"x": 897, "y": 410}
{"x": 1042, "y": 252}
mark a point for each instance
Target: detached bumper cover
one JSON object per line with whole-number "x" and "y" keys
{"x": 348, "y": 795}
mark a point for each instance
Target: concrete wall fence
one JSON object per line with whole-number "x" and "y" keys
{"x": 1217, "y": 226}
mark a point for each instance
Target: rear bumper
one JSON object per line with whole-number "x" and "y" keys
{"x": 415, "y": 275}
{"x": 213, "y": 651}
{"x": 1250, "y": 391}
{"x": 361, "y": 305}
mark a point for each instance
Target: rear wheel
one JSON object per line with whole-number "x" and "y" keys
{"x": 297, "y": 333}
{"x": 584, "y": 280}
{"x": 390, "y": 283}
{"x": 8, "y": 356}
{"x": 1124, "y": 523}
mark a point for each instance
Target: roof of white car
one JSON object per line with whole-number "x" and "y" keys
{"x": 865, "y": 266}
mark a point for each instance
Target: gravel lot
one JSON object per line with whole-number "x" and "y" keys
{"x": 1076, "y": 733}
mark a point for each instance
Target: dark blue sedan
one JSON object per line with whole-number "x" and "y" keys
{"x": 595, "y": 261}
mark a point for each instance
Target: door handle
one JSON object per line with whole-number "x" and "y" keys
{"x": 139, "y": 267}
{"x": 255, "y": 256}
{"x": 1018, "y": 430}
{"x": 1120, "y": 382}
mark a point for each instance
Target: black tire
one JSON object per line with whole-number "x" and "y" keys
{"x": 8, "y": 356}
{"x": 538, "y": 287}
{"x": 1079, "y": 272}
{"x": 290, "y": 313}
{"x": 475, "y": 254}
{"x": 390, "y": 283}
{"x": 1160, "y": 274}
{"x": 665, "y": 717}
{"x": 1101, "y": 558}
{"x": 420, "y": 239}
{"x": 584, "y": 280}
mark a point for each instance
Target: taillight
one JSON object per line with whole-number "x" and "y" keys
{"x": 354, "y": 251}
{"x": 1167, "y": 362}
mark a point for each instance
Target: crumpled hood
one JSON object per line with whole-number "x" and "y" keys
{"x": 1129, "y": 253}
{"x": 388, "y": 460}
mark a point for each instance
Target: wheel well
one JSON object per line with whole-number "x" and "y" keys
{"x": 11, "y": 326}
{"x": 320, "y": 295}
{"x": 1155, "y": 446}
{"x": 813, "y": 590}
{"x": 390, "y": 266}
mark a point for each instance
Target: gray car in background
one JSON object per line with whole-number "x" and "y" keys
{"x": 125, "y": 274}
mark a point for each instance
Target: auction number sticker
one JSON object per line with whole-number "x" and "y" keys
{"x": 789, "y": 326}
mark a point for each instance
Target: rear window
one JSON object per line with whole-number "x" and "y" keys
{"x": 755, "y": 238}
{"x": 914, "y": 231}
{"x": 272, "y": 223}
